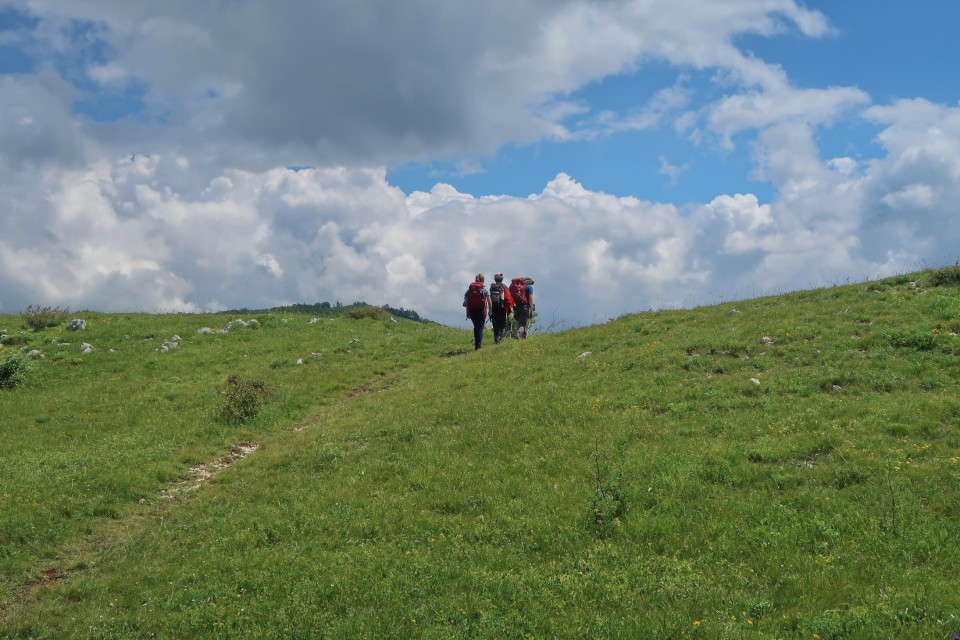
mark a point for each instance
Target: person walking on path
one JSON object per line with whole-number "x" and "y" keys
{"x": 477, "y": 302}
{"x": 521, "y": 289}
{"x": 501, "y": 304}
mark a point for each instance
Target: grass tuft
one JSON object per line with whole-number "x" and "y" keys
{"x": 39, "y": 317}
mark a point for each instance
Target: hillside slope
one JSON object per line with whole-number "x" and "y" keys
{"x": 773, "y": 468}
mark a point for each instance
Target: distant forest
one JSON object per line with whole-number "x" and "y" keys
{"x": 327, "y": 310}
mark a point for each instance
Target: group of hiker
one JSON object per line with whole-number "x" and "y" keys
{"x": 498, "y": 303}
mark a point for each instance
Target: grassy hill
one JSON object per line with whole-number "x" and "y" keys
{"x": 785, "y": 467}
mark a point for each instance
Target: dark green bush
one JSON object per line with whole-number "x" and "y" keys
{"x": 946, "y": 275}
{"x": 38, "y": 317}
{"x": 242, "y": 399}
{"x": 13, "y": 369}
{"x": 918, "y": 341}
{"x": 367, "y": 311}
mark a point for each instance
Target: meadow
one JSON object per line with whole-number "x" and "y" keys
{"x": 782, "y": 467}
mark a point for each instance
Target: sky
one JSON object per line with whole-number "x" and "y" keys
{"x": 629, "y": 155}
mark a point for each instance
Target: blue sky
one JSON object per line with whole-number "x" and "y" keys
{"x": 889, "y": 49}
{"x": 629, "y": 155}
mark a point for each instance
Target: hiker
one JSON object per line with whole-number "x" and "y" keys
{"x": 477, "y": 302}
{"x": 501, "y": 305}
{"x": 521, "y": 289}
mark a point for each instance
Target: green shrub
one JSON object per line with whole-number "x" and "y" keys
{"x": 609, "y": 503}
{"x": 367, "y": 311}
{"x": 242, "y": 400}
{"x": 13, "y": 369}
{"x": 38, "y": 317}
{"x": 918, "y": 341}
{"x": 946, "y": 275}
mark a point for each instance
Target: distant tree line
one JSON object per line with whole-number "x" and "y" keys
{"x": 327, "y": 310}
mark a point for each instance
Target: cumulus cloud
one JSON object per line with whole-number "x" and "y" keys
{"x": 143, "y": 232}
{"x": 367, "y": 82}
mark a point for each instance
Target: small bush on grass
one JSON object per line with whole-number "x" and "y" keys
{"x": 918, "y": 341}
{"x": 367, "y": 311}
{"x": 946, "y": 275}
{"x": 609, "y": 502}
{"x": 243, "y": 399}
{"x": 38, "y": 317}
{"x": 13, "y": 369}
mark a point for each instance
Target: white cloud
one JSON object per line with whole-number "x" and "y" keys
{"x": 367, "y": 82}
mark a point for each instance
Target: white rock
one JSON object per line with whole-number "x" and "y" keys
{"x": 754, "y": 381}
{"x": 766, "y": 340}
{"x": 205, "y": 330}
{"x": 77, "y": 325}
{"x": 299, "y": 360}
{"x": 585, "y": 354}
{"x": 86, "y": 348}
{"x": 175, "y": 339}
{"x": 314, "y": 320}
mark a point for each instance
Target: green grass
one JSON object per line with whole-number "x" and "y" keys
{"x": 649, "y": 489}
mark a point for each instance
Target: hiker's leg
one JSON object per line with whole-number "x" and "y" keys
{"x": 478, "y": 322}
{"x": 499, "y": 322}
{"x": 522, "y": 314}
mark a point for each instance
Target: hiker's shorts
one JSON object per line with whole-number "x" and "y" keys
{"x": 522, "y": 315}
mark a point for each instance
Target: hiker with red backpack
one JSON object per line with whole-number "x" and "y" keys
{"x": 477, "y": 302}
{"x": 501, "y": 304}
{"x": 521, "y": 289}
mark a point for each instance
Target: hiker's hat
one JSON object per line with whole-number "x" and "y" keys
{"x": 498, "y": 277}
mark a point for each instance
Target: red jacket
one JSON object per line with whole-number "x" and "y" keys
{"x": 507, "y": 299}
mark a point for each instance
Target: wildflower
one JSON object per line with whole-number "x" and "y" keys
{"x": 696, "y": 623}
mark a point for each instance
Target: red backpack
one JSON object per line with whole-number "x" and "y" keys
{"x": 518, "y": 289}
{"x": 474, "y": 298}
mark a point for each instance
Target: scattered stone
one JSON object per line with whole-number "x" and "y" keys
{"x": 223, "y": 331}
{"x": 314, "y": 320}
{"x": 86, "y": 347}
{"x": 34, "y": 354}
{"x": 112, "y": 350}
{"x": 205, "y": 331}
{"x": 837, "y": 387}
{"x": 754, "y": 381}
{"x": 767, "y": 340}
{"x": 316, "y": 354}
{"x": 167, "y": 346}
{"x": 354, "y": 341}
{"x": 392, "y": 319}
{"x": 585, "y": 354}
{"x": 299, "y": 360}
{"x": 175, "y": 339}
{"x": 77, "y": 325}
